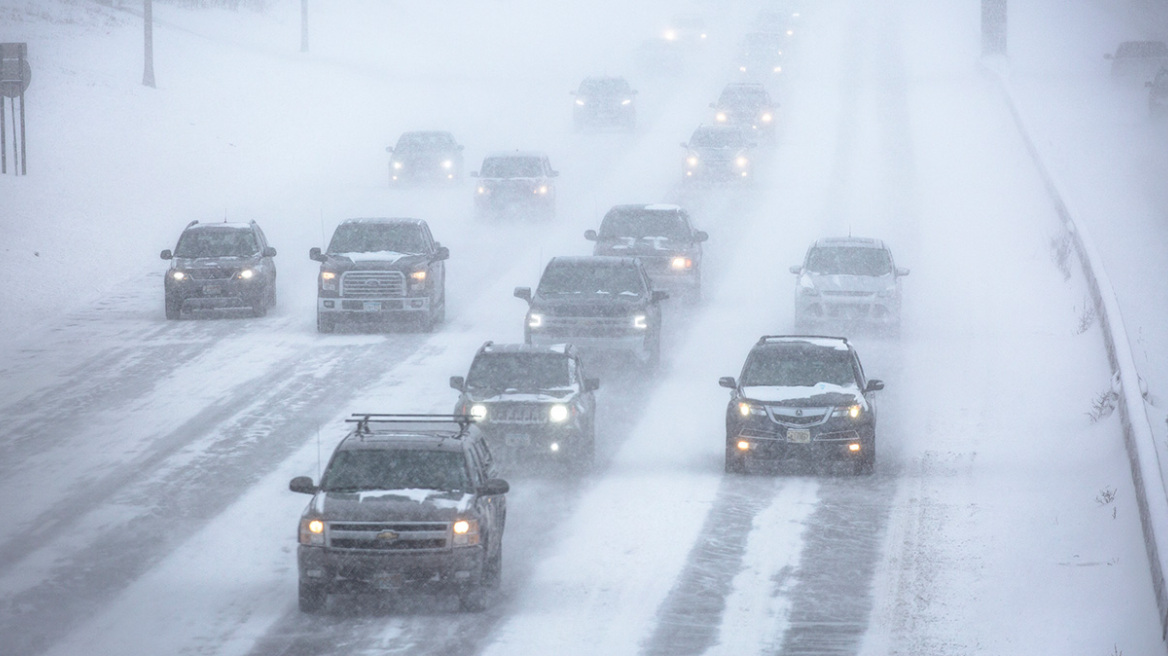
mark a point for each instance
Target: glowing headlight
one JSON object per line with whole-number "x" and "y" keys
{"x": 703, "y": 36}
{"x": 742, "y": 162}
{"x": 580, "y": 101}
{"x": 640, "y": 321}
{"x": 312, "y": 532}
{"x": 790, "y": 32}
{"x": 466, "y": 532}
{"x": 478, "y": 411}
{"x": 692, "y": 160}
{"x": 558, "y": 413}
{"x": 670, "y": 35}
{"x": 448, "y": 164}
{"x": 178, "y": 275}
{"x": 720, "y": 117}
{"x": 328, "y": 275}
{"x": 852, "y": 411}
{"x": 534, "y": 320}
{"x": 418, "y": 276}
{"x": 627, "y": 101}
{"x": 542, "y": 190}
{"x": 681, "y": 263}
{"x": 746, "y": 409}
{"x": 742, "y": 69}
{"x": 247, "y": 274}
{"x": 397, "y": 166}
{"x": 328, "y": 280}
{"x": 482, "y": 189}
{"x": 767, "y": 117}
{"x": 743, "y": 445}
{"x": 778, "y": 69}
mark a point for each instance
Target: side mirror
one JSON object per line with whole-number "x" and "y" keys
{"x": 591, "y": 384}
{"x": 441, "y": 253}
{"x": 269, "y": 252}
{"x": 166, "y": 254}
{"x": 901, "y": 271}
{"x": 494, "y": 486}
{"x": 874, "y": 385}
{"x": 458, "y": 383}
{"x": 303, "y": 485}
{"x": 700, "y": 236}
{"x": 389, "y": 149}
{"x": 797, "y": 269}
{"x": 315, "y": 254}
{"x": 659, "y": 295}
{"x": 590, "y": 235}
{"x": 523, "y": 293}
{"x": 728, "y": 381}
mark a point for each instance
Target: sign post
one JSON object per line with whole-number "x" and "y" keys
{"x": 15, "y": 74}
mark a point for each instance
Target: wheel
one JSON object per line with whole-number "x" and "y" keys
{"x": 260, "y": 308}
{"x": 173, "y": 308}
{"x": 493, "y": 570}
{"x": 313, "y": 597}
{"x": 866, "y": 466}
{"x": 325, "y": 324}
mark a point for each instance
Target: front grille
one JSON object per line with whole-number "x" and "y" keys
{"x": 785, "y": 416}
{"x": 559, "y": 327}
{"x": 517, "y": 413}
{"x": 848, "y": 436}
{"x": 389, "y": 536}
{"x": 373, "y": 284}
{"x": 849, "y": 294}
{"x": 211, "y": 274}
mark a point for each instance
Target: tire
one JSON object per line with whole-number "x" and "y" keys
{"x": 866, "y": 466}
{"x": 325, "y": 324}
{"x": 493, "y": 571}
{"x": 735, "y": 464}
{"x": 173, "y": 308}
{"x": 260, "y": 308}
{"x": 313, "y": 597}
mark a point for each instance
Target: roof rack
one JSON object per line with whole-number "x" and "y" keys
{"x": 363, "y": 419}
{"x": 766, "y": 338}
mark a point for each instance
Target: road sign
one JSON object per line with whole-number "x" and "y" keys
{"x": 15, "y": 73}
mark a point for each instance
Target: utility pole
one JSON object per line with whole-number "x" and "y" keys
{"x": 148, "y": 19}
{"x": 303, "y": 25}
{"x": 993, "y": 27}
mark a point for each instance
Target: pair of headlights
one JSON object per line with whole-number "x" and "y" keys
{"x": 854, "y": 411}
{"x": 328, "y": 280}
{"x": 466, "y": 532}
{"x": 446, "y": 164}
{"x": 557, "y": 413}
{"x": 246, "y": 274}
{"x": 535, "y": 321}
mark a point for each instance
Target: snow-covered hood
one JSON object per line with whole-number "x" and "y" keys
{"x": 214, "y": 262}
{"x": 483, "y": 395}
{"x": 641, "y": 246}
{"x": 850, "y": 283}
{"x": 374, "y": 260}
{"x": 820, "y": 395}
{"x": 588, "y": 305}
{"x": 408, "y": 505}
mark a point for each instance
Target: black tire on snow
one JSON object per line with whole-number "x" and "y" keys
{"x": 735, "y": 463}
{"x": 325, "y": 324}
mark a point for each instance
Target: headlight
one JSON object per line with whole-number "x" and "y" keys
{"x": 328, "y": 280}
{"x": 534, "y": 320}
{"x": 246, "y": 274}
{"x": 178, "y": 275}
{"x": 640, "y": 321}
{"x": 767, "y": 117}
{"x": 627, "y": 101}
{"x": 852, "y": 411}
{"x": 312, "y": 532}
{"x": 418, "y": 280}
{"x": 466, "y": 532}
{"x": 742, "y": 162}
{"x": 692, "y": 160}
{"x": 482, "y": 189}
{"x": 746, "y": 409}
{"x": 580, "y": 101}
{"x": 478, "y": 411}
{"x": 720, "y": 117}
{"x": 397, "y": 166}
{"x": 778, "y": 69}
{"x": 742, "y": 69}
{"x": 558, "y": 413}
{"x": 670, "y": 35}
{"x": 542, "y": 190}
{"x": 448, "y": 164}
{"x": 681, "y": 263}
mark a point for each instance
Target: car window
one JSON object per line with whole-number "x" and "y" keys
{"x": 368, "y": 469}
{"x": 377, "y": 237}
{"x": 518, "y": 371}
{"x": 512, "y": 167}
{"x": 214, "y": 242}
{"x": 590, "y": 280}
{"x": 849, "y": 261}
{"x": 798, "y": 368}
{"x": 423, "y": 140}
{"x": 639, "y": 224}
{"x": 743, "y": 97}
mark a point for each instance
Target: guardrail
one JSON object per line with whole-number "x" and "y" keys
{"x": 1144, "y": 457}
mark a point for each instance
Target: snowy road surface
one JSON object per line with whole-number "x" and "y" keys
{"x": 145, "y": 463}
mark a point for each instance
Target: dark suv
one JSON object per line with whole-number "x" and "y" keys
{"x": 719, "y": 154}
{"x": 516, "y": 181}
{"x": 532, "y": 399}
{"x": 220, "y": 265}
{"x": 604, "y": 102}
{"x": 601, "y": 303}
{"x": 746, "y": 105}
{"x": 425, "y": 156}
{"x": 378, "y": 270}
{"x": 801, "y": 397}
{"x": 406, "y": 502}
{"x": 662, "y": 237}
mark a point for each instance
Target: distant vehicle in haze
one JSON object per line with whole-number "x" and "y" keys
{"x": 747, "y": 105}
{"x": 848, "y": 279}
{"x": 1138, "y": 59}
{"x": 802, "y": 398}
{"x": 687, "y": 30}
{"x": 1158, "y": 93}
{"x": 218, "y": 266}
{"x": 521, "y": 182}
{"x": 719, "y": 154}
{"x": 604, "y": 102}
{"x": 383, "y": 271}
{"x": 425, "y": 157}
{"x": 760, "y": 56}
{"x": 662, "y": 237}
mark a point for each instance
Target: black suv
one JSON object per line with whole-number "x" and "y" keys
{"x": 746, "y": 105}
{"x": 662, "y": 237}
{"x": 719, "y": 154}
{"x": 801, "y": 397}
{"x": 601, "y": 303}
{"x": 604, "y": 102}
{"x": 406, "y": 502}
{"x": 220, "y": 265}
{"x": 532, "y": 398}
{"x": 425, "y": 156}
{"x": 516, "y": 181}
{"x": 381, "y": 269}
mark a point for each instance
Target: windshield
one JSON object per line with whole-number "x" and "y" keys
{"x": 369, "y": 469}
{"x": 216, "y": 242}
{"x": 798, "y": 367}
{"x": 714, "y": 138}
{"x": 518, "y": 371}
{"x": 604, "y": 87}
{"x": 849, "y": 261}
{"x": 640, "y": 223}
{"x": 584, "y": 279}
{"x": 376, "y": 237}
{"x": 511, "y": 167}
{"x": 423, "y": 140}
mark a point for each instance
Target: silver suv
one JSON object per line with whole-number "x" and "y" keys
{"x": 848, "y": 279}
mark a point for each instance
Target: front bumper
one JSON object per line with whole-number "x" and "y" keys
{"x": 817, "y": 444}
{"x": 533, "y": 439}
{"x": 868, "y": 308}
{"x": 373, "y": 308}
{"x": 356, "y": 570}
{"x": 217, "y": 294}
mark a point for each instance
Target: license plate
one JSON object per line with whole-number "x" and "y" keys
{"x": 212, "y": 290}
{"x": 388, "y": 581}
{"x": 799, "y": 435}
{"x": 518, "y": 439}
{"x": 373, "y": 306}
